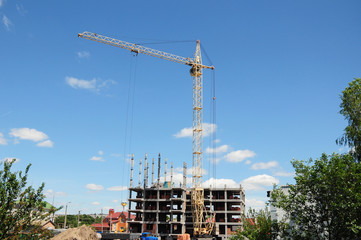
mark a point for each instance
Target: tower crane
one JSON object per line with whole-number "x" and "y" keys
{"x": 201, "y": 226}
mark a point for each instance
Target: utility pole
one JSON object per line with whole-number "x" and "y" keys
{"x": 78, "y": 217}
{"x": 53, "y": 206}
{"x": 66, "y": 209}
{"x": 101, "y": 212}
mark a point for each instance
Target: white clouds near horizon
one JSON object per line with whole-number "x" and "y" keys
{"x": 253, "y": 183}
{"x": 283, "y": 174}
{"x": 94, "y": 187}
{"x": 220, "y": 183}
{"x": 263, "y": 165}
{"x": 117, "y": 188}
{"x": 254, "y": 203}
{"x": 258, "y": 182}
{"x": 96, "y": 203}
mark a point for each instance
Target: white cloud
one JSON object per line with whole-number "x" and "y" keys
{"x": 3, "y": 141}
{"x": 46, "y": 143}
{"x": 248, "y": 162}
{"x": 2, "y": 2}
{"x": 7, "y": 23}
{"x": 217, "y": 140}
{"x": 21, "y": 9}
{"x": 32, "y": 135}
{"x": 50, "y": 193}
{"x": 177, "y": 179}
{"x": 117, "y": 188}
{"x": 185, "y": 132}
{"x": 28, "y": 134}
{"x": 9, "y": 159}
{"x": 79, "y": 83}
{"x": 254, "y": 204}
{"x": 106, "y": 208}
{"x": 115, "y": 201}
{"x": 220, "y": 149}
{"x": 284, "y": 174}
{"x": 94, "y": 187}
{"x": 263, "y": 165}
{"x": 220, "y": 183}
{"x": 208, "y": 129}
{"x": 96, "y": 203}
{"x": 100, "y": 152}
{"x": 239, "y": 155}
{"x": 258, "y": 182}
{"x": 96, "y": 158}
{"x": 83, "y": 54}
{"x": 94, "y": 84}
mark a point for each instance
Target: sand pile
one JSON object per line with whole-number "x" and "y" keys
{"x": 80, "y": 233}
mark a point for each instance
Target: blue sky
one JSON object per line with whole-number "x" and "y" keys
{"x": 64, "y": 108}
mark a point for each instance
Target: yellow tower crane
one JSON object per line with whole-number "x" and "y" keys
{"x": 201, "y": 225}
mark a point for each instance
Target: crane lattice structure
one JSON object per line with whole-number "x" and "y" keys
{"x": 201, "y": 227}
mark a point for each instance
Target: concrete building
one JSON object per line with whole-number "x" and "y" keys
{"x": 277, "y": 214}
{"x": 165, "y": 209}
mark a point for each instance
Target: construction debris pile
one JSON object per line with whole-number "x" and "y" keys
{"x": 80, "y": 233}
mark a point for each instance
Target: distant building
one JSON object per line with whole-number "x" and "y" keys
{"x": 277, "y": 214}
{"x": 114, "y": 222}
{"x": 45, "y": 224}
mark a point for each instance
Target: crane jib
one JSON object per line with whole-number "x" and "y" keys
{"x": 141, "y": 49}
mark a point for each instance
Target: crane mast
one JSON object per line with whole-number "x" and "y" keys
{"x": 201, "y": 226}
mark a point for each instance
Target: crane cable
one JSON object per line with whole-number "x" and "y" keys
{"x": 213, "y": 120}
{"x": 129, "y": 116}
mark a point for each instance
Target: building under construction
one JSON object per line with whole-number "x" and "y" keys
{"x": 167, "y": 210}
{"x": 164, "y": 209}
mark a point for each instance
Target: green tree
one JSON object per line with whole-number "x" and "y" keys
{"x": 21, "y": 206}
{"x": 98, "y": 219}
{"x": 257, "y": 225}
{"x": 71, "y": 221}
{"x": 325, "y": 202}
{"x": 86, "y": 219}
{"x": 351, "y": 110}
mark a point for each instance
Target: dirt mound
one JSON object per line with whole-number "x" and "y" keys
{"x": 80, "y": 233}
